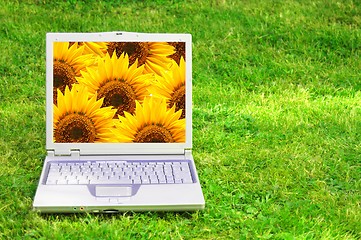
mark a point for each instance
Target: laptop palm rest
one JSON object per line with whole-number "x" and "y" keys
{"x": 113, "y": 191}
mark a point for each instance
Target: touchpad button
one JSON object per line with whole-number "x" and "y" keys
{"x": 113, "y": 191}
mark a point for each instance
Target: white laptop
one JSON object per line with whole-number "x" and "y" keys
{"x": 118, "y": 124}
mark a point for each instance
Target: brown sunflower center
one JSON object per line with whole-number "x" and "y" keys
{"x": 180, "y": 51}
{"x": 75, "y": 128}
{"x": 63, "y": 75}
{"x": 119, "y": 94}
{"x": 72, "y": 43}
{"x": 178, "y": 98}
{"x": 153, "y": 134}
{"x": 135, "y": 50}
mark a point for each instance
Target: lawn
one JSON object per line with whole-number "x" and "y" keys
{"x": 276, "y": 117}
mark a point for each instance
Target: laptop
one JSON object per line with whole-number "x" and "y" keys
{"x": 118, "y": 124}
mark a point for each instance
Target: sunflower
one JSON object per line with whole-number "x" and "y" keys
{"x": 68, "y": 61}
{"x": 171, "y": 85}
{"x": 180, "y": 51}
{"x": 151, "y": 122}
{"x": 96, "y": 48}
{"x": 118, "y": 83}
{"x": 153, "y": 55}
{"x": 78, "y": 118}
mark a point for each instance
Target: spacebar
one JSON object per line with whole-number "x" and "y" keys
{"x": 107, "y": 181}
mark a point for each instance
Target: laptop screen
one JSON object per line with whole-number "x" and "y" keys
{"x": 119, "y": 92}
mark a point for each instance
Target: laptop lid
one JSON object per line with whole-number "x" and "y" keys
{"x": 118, "y": 93}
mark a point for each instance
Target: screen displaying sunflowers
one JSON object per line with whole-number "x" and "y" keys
{"x": 119, "y": 92}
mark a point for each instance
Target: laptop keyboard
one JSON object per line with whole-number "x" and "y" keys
{"x": 119, "y": 172}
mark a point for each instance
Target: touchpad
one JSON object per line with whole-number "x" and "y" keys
{"x": 113, "y": 191}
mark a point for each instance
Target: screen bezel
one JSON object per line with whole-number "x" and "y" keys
{"x": 116, "y": 148}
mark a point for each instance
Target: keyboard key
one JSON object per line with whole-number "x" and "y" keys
{"x": 62, "y": 181}
{"x": 125, "y": 181}
{"x": 136, "y": 181}
{"x": 73, "y": 181}
{"x": 83, "y": 181}
{"x": 51, "y": 181}
{"x": 145, "y": 181}
{"x": 187, "y": 180}
{"x": 170, "y": 180}
{"x": 162, "y": 180}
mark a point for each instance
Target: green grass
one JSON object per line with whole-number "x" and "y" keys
{"x": 277, "y": 117}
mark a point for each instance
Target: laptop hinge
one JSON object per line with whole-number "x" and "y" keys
{"x": 188, "y": 152}
{"x": 75, "y": 154}
{"x": 51, "y": 153}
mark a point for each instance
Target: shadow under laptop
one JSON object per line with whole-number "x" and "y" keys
{"x": 111, "y": 214}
